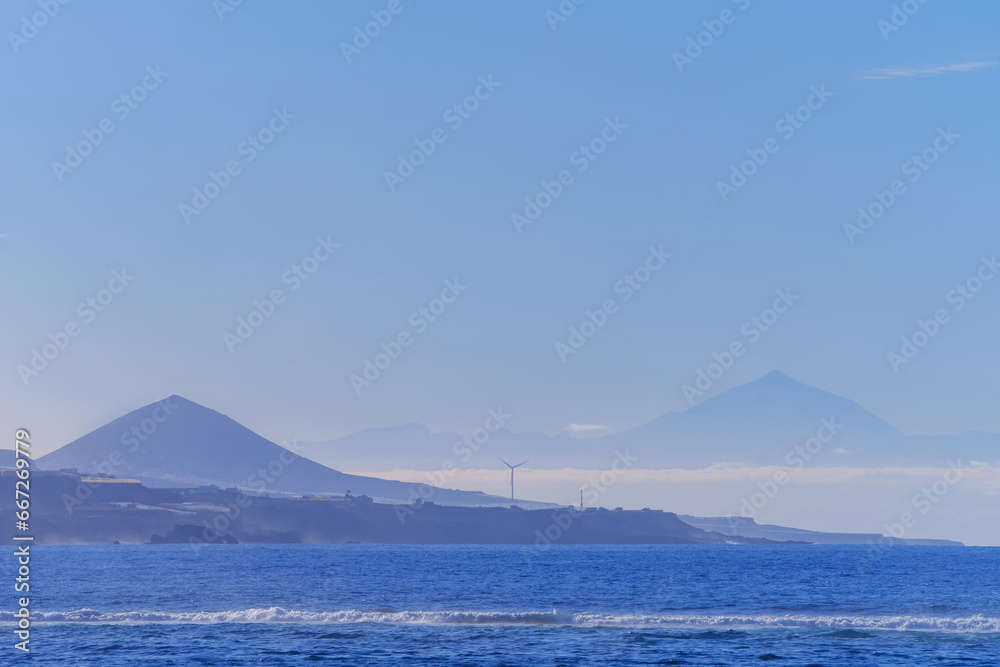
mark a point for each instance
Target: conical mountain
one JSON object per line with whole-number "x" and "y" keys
{"x": 177, "y": 442}
{"x": 765, "y": 421}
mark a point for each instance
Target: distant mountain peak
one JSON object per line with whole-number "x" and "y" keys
{"x": 776, "y": 381}
{"x": 777, "y": 377}
{"x": 758, "y": 423}
{"x": 177, "y": 398}
{"x": 773, "y": 387}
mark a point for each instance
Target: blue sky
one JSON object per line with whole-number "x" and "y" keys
{"x": 495, "y": 343}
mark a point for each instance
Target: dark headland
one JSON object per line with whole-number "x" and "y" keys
{"x": 125, "y": 511}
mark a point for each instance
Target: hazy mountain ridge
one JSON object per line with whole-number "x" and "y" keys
{"x": 758, "y": 423}
{"x": 178, "y": 442}
{"x": 414, "y": 447}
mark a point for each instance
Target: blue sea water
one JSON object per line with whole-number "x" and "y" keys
{"x": 507, "y": 605}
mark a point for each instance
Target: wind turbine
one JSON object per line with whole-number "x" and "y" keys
{"x": 512, "y": 475}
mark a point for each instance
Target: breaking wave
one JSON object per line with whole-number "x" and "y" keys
{"x": 279, "y": 615}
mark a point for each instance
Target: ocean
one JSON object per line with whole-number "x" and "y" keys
{"x": 507, "y": 605}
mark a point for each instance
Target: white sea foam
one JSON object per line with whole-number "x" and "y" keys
{"x": 690, "y": 621}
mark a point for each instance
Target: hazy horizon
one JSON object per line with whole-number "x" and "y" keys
{"x": 867, "y": 498}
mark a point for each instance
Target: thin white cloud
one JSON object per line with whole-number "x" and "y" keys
{"x": 924, "y": 70}
{"x": 581, "y": 428}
